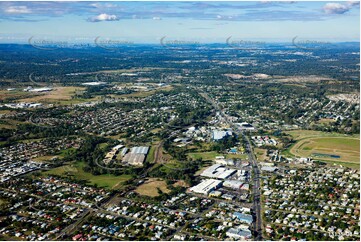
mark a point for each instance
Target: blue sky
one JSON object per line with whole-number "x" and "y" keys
{"x": 204, "y": 22}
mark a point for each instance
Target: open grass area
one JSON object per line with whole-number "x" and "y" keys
{"x": 301, "y": 134}
{"x": 261, "y": 154}
{"x": 76, "y": 170}
{"x": 180, "y": 183}
{"x": 9, "y": 123}
{"x": 102, "y": 145}
{"x": 117, "y": 136}
{"x": 237, "y": 156}
{"x": 44, "y": 158}
{"x": 328, "y": 147}
{"x": 6, "y": 112}
{"x": 204, "y": 155}
{"x": 147, "y": 93}
{"x": 58, "y": 94}
{"x": 150, "y": 187}
{"x": 211, "y": 155}
{"x": 150, "y": 156}
{"x": 355, "y": 166}
{"x": 14, "y": 95}
{"x": 326, "y": 121}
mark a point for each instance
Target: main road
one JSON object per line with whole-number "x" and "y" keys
{"x": 257, "y": 225}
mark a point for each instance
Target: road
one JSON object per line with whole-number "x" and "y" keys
{"x": 257, "y": 225}
{"x": 256, "y": 191}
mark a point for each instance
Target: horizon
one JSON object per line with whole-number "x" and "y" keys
{"x": 205, "y": 22}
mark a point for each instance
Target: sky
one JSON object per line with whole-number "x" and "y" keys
{"x": 198, "y": 22}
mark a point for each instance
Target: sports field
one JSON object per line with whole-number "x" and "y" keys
{"x": 324, "y": 146}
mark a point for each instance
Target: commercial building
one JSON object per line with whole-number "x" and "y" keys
{"x": 268, "y": 168}
{"x": 233, "y": 184}
{"x": 218, "y": 171}
{"x": 239, "y": 234}
{"x": 223, "y": 161}
{"x": 245, "y": 126}
{"x": 206, "y": 186}
{"x": 215, "y": 194}
{"x": 220, "y": 134}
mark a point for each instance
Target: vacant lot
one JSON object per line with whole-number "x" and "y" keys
{"x": 76, "y": 170}
{"x": 59, "y": 94}
{"x": 204, "y": 155}
{"x": 261, "y": 154}
{"x": 150, "y": 187}
{"x": 13, "y": 95}
{"x": 212, "y": 155}
{"x": 331, "y": 147}
{"x": 141, "y": 94}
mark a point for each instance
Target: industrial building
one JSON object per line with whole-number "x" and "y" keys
{"x": 136, "y": 156}
{"x": 140, "y": 150}
{"x": 218, "y": 171}
{"x": 124, "y": 151}
{"x": 223, "y": 161}
{"x": 233, "y": 184}
{"x": 206, "y": 186}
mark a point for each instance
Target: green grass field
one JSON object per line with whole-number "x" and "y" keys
{"x": 204, "y": 155}
{"x": 212, "y": 155}
{"x": 150, "y": 187}
{"x": 322, "y": 146}
{"x": 150, "y": 156}
{"x": 76, "y": 170}
{"x": 301, "y": 134}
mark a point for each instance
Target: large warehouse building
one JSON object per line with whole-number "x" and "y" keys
{"x": 136, "y": 156}
{"x": 206, "y": 186}
{"x": 218, "y": 171}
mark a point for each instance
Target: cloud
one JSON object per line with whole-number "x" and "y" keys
{"x": 103, "y": 17}
{"x": 336, "y": 8}
{"x": 18, "y": 9}
{"x": 353, "y": 3}
{"x": 103, "y": 5}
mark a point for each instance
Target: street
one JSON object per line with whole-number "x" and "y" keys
{"x": 257, "y": 223}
